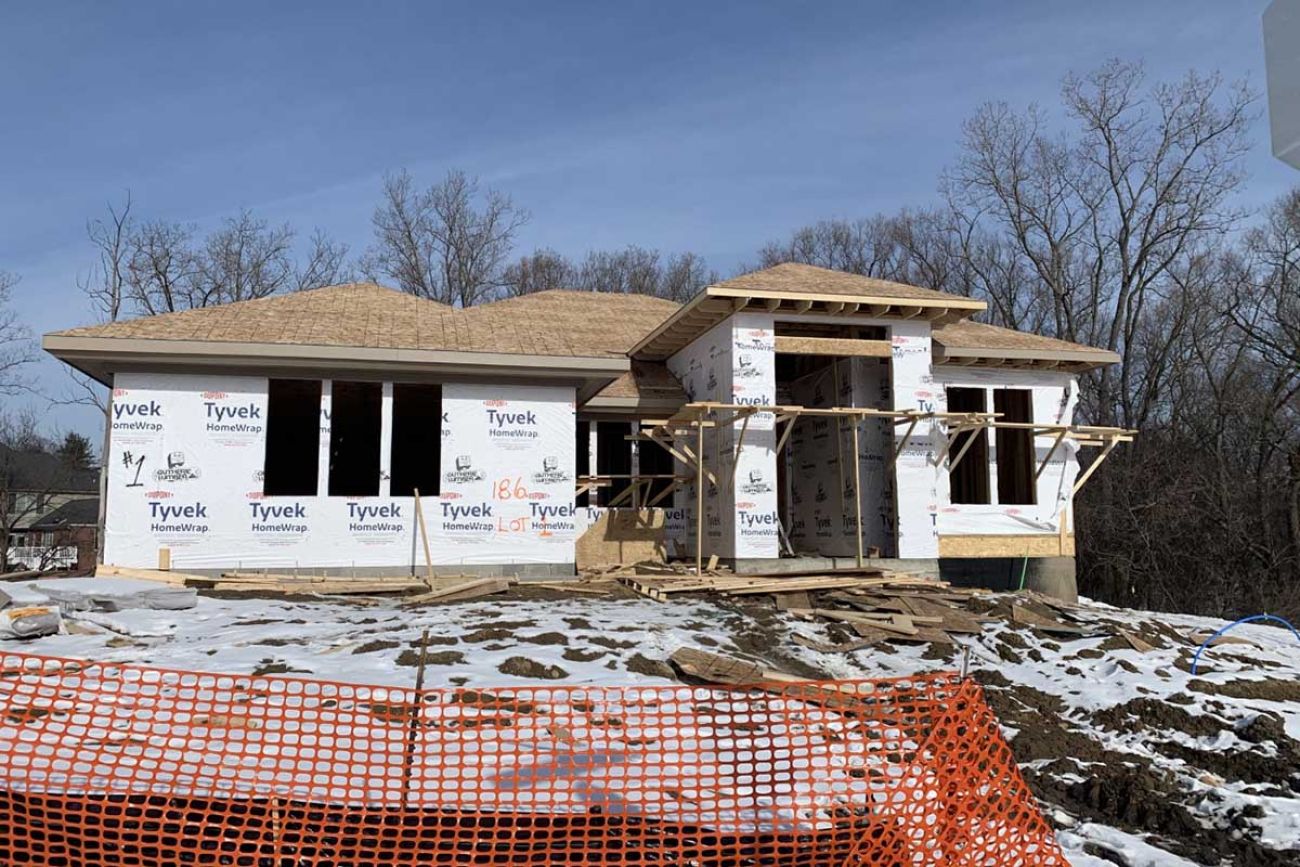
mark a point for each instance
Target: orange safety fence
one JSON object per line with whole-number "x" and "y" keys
{"x": 106, "y": 763}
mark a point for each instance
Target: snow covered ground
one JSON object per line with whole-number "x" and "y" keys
{"x": 1138, "y": 761}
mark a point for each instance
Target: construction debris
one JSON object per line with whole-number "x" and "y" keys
{"x": 113, "y": 594}
{"x": 26, "y": 613}
{"x": 462, "y": 591}
{"x": 875, "y": 605}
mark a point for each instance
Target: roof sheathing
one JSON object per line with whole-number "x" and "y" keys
{"x": 797, "y": 289}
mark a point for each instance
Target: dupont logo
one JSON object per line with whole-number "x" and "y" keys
{"x": 158, "y": 495}
{"x": 214, "y": 395}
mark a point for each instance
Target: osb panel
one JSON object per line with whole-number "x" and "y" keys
{"x": 623, "y": 536}
{"x": 1030, "y": 545}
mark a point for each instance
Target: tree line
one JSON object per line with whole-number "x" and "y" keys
{"x": 1110, "y": 221}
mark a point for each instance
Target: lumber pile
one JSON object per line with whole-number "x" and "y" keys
{"x": 862, "y": 607}
{"x": 272, "y": 582}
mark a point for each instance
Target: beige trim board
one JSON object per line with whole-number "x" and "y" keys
{"x": 1025, "y": 545}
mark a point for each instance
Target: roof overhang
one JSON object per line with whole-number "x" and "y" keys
{"x": 716, "y": 303}
{"x": 101, "y": 357}
{"x": 1047, "y": 359}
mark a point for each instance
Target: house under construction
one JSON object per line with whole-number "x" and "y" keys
{"x": 790, "y": 415}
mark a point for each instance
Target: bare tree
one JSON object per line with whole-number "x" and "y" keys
{"x": 449, "y": 242}
{"x": 1103, "y": 218}
{"x": 538, "y": 271}
{"x": 16, "y": 349}
{"x": 684, "y": 275}
{"x": 244, "y": 259}
{"x": 161, "y": 268}
{"x": 324, "y": 265}
{"x": 106, "y": 284}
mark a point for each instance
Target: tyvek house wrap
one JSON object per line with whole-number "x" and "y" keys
{"x": 186, "y": 458}
{"x": 820, "y": 462}
{"x": 734, "y": 363}
{"x": 1054, "y": 397}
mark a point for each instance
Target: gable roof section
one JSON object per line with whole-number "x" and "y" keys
{"x": 812, "y": 281}
{"x": 967, "y": 342}
{"x": 793, "y": 288}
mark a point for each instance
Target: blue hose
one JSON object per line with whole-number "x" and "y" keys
{"x": 1197, "y": 658}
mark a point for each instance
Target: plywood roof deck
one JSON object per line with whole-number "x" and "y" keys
{"x": 597, "y": 332}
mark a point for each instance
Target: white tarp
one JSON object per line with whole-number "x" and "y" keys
{"x": 186, "y": 460}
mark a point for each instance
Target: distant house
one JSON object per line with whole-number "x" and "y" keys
{"x": 49, "y": 511}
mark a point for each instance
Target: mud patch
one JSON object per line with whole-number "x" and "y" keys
{"x": 438, "y": 657}
{"x": 639, "y": 664}
{"x": 574, "y": 654}
{"x": 377, "y": 645}
{"x": 545, "y": 638}
{"x": 1267, "y": 690}
{"x": 522, "y": 666}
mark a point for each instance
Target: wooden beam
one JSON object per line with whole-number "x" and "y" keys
{"x": 1092, "y": 467}
{"x": 740, "y": 441}
{"x": 1050, "y": 452}
{"x": 699, "y": 501}
{"x": 970, "y": 441}
{"x": 857, "y": 490}
{"x": 840, "y": 347}
{"x": 903, "y": 444}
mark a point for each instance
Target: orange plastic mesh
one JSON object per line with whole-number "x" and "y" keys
{"x": 103, "y": 763}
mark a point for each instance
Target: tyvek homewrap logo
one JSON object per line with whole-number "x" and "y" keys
{"x": 278, "y": 520}
{"x": 462, "y": 520}
{"x": 136, "y": 415}
{"x": 757, "y": 523}
{"x": 176, "y": 470}
{"x": 551, "y": 474}
{"x": 240, "y": 418}
{"x": 510, "y": 427}
{"x": 756, "y": 339}
{"x": 546, "y": 520}
{"x": 464, "y": 472}
{"x": 178, "y": 519}
{"x": 375, "y": 519}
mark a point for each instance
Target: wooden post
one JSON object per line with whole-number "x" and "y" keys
{"x": 839, "y": 432}
{"x": 413, "y": 731}
{"x": 424, "y": 537}
{"x": 857, "y": 491}
{"x": 164, "y": 559}
{"x": 699, "y": 498}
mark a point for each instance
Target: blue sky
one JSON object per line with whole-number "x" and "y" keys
{"x": 711, "y": 127}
